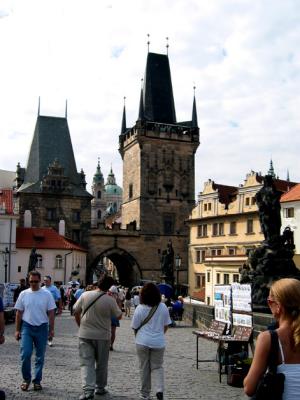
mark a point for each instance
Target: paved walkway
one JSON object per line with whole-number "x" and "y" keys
{"x": 62, "y": 376}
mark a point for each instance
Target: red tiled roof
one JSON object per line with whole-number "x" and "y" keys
{"x": 283, "y": 186}
{"x": 44, "y": 238}
{"x": 199, "y": 295}
{"x": 226, "y": 193}
{"x": 6, "y": 201}
{"x": 291, "y": 195}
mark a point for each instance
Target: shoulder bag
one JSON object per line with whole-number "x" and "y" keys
{"x": 271, "y": 386}
{"x": 93, "y": 302}
{"x": 147, "y": 319}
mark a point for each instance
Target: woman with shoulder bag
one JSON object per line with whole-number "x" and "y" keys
{"x": 150, "y": 322}
{"x": 284, "y": 302}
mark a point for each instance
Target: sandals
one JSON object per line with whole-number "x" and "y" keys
{"x": 24, "y": 386}
{"x": 37, "y": 386}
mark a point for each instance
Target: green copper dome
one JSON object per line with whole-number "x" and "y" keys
{"x": 111, "y": 186}
{"x": 113, "y": 189}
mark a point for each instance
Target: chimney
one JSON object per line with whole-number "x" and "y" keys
{"x": 62, "y": 227}
{"x": 27, "y": 219}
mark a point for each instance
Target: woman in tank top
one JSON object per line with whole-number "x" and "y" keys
{"x": 284, "y": 302}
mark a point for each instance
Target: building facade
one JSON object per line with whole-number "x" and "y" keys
{"x": 8, "y": 223}
{"x": 56, "y": 256}
{"x": 224, "y": 228}
{"x": 290, "y": 217}
{"x": 50, "y": 186}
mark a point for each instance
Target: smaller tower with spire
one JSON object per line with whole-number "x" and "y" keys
{"x": 107, "y": 196}
{"x": 271, "y": 170}
{"x": 98, "y": 202}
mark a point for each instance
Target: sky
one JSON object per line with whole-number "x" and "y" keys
{"x": 241, "y": 55}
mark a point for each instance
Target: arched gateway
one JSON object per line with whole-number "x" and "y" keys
{"x": 158, "y": 156}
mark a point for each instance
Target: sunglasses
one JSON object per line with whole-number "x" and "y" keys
{"x": 33, "y": 281}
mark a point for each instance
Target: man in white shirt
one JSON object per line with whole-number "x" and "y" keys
{"x": 35, "y": 312}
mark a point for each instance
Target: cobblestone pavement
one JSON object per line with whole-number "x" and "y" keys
{"x": 61, "y": 378}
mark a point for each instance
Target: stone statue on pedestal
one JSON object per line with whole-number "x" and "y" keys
{"x": 167, "y": 264}
{"x": 33, "y": 258}
{"x": 272, "y": 260}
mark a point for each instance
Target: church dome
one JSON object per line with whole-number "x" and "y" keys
{"x": 111, "y": 186}
{"x": 113, "y": 189}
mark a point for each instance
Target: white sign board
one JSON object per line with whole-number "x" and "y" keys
{"x": 222, "y": 300}
{"x": 241, "y": 297}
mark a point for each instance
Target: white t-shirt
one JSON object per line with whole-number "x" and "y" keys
{"x": 152, "y": 333}
{"x": 136, "y": 299}
{"x": 35, "y": 305}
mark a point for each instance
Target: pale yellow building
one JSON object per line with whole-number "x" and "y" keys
{"x": 224, "y": 227}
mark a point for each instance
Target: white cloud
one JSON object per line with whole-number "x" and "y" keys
{"x": 240, "y": 54}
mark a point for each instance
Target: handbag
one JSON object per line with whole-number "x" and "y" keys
{"x": 147, "y": 319}
{"x": 271, "y": 386}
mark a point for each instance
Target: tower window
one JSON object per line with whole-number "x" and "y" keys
{"x": 99, "y": 214}
{"x": 99, "y": 194}
{"x": 168, "y": 224}
{"x": 130, "y": 191}
{"x": 51, "y": 214}
{"x": 76, "y": 215}
{"x": 76, "y": 235}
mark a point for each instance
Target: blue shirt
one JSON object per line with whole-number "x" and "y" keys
{"x": 1, "y": 305}
{"x": 53, "y": 290}
{"x": 78, "y": 293}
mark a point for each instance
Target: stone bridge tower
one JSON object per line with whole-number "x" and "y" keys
{"x": 158, "y": 180}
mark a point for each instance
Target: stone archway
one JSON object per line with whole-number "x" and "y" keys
{"x": 129, "y": 271}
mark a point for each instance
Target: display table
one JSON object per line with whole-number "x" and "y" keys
{"x": 227, "y": 345}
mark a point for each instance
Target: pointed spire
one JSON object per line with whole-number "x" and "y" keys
{"x": 194, "y": 112}
{"x": 82, "y": 179}
{"x": 158, "y": 92}
{"x": 111, "y": 180}
{"x": 98, "y": 177}
{"x": 271, "y": 170}
{"x": 39, "y": 106}
{"x": 167, "y": 45}
{"x": 123, "y": 127}
{"x": 288, "y": 176}
{"x": 66, "y": 111}
{"x": 141, "y": 108}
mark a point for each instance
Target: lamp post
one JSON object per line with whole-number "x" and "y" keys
{"x": 177, "y": 268}
{"x": 5, "y": 253}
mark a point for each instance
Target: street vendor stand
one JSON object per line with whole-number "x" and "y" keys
{"x": 232, "y": 327}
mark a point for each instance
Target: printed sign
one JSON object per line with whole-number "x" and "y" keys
{"x": 241, "y": 297}
{"x": 222, "y": 297}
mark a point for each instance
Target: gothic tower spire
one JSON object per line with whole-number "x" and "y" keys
{"x": 194, "y": 112}
{"x": 271, "y": 170}
{"x": 158, "y": 92}
{"x": 141, "y": 108}
{"x": 123, "y": 127}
